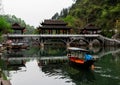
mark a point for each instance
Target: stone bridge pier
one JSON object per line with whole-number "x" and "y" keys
{"x": 69, "y": 40}
{"x": 48, "y": 40}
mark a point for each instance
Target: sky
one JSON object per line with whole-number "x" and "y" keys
{"x": 33, "y": 12}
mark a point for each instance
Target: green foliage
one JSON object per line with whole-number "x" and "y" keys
{"x": 109, "y": 33}
{"x": 36, "y": 31}
{"x": 102, "y": 13}
{"x": 64, "y": 13}
{"x": 13, "y": 19}
{"x": 70, "y": 20}
{"x": 4, "y": 26}
{"x": 55, "y": 16}
{"x": 29, "y": 29}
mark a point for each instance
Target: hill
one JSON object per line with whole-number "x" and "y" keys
{"x": 105, "y": 14}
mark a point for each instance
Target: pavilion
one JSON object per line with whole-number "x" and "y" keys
{"x": 54, "y": 27}
{"x": 17, "y": 28}
{"x": 90, "y": 29}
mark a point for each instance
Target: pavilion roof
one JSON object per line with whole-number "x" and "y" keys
{"x": 91, "y": 27}
{"x": 53, "y": 22}
{"x": 17, "y": 26}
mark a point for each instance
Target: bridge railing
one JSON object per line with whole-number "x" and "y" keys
{"x": 52, "y": 35}
{"x": 62, "y": 35}
{"x": 114, "y": 40}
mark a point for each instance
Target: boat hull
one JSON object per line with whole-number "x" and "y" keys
{"x": 82, "y": 64}
{"x": 19, "y": 46}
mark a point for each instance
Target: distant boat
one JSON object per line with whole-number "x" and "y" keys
{"x": 80, "y": 57}
{"x": 19, "y": 45}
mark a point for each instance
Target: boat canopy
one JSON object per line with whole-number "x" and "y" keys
{"x": 77, "y": 49}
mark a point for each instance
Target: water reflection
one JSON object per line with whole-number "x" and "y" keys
{"x": 81, "y": 76}
{"x": 35, "y": 75}
{"x": 51, "y": 64}
{"x": 63, "y": 70}
{"x": 14, "y": 53}
{"x": 14, "y": 64}
{"x": 53, "y": 51}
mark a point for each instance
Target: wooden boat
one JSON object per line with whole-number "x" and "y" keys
{"x": 80, "y": 57}
{"x": 19, "y": 46}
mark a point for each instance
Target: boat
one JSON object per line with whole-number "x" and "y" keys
{"x": 19, "y": 46}
{"x": 80, "y": 57}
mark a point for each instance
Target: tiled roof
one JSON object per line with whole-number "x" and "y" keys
{"x": 17, "y": 26}
{"x": 54, "y": 27}
{"x": 91, "y": 27}
{"x": 53, "y": 22}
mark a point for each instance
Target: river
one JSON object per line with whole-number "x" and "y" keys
{"x": 49, "y": 66}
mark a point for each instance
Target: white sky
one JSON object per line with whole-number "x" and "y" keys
{"x": 33, "y": 12}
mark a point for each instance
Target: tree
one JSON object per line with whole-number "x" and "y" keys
{"x": 13, "y": 19}
{"x": 5, "y": 27}
{"x": 55, "y": 16}
{"x": 64, "y": 12}
{"x": 102, "y": 13}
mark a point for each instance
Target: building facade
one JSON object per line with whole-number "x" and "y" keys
{"x": 54, "y": 27}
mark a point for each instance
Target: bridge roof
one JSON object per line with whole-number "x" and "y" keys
{"x": 53, "y": 22}
{"x": 55, "y": 27}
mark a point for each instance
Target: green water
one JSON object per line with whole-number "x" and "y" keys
{"x": 27, "y": 67}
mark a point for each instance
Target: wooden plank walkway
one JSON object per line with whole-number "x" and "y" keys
{"x": 5, "y": 82}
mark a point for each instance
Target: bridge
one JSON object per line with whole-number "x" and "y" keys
{"x": 68, "y": 38}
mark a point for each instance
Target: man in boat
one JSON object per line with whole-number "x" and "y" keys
{"x": 88, "y": 57}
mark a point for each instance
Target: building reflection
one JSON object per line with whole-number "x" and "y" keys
{"x": 53, "y": 51}
{"x": 14, "y": 60}
{"x": 14, "y": 65}
{"x": 51, "y": 64}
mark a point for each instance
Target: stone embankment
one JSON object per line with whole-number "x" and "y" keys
{"x": 4, "y": 82}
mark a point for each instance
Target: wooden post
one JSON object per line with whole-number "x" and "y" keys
{"x": 67, "y": 44}
{"x": 42, "y": 43}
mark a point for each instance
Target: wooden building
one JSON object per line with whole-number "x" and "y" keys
{"x": 17, "y": 29}
{"x": 17, "y": 42}
{"x": 54, "y": 27}
{"x": 90, "y": 29}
